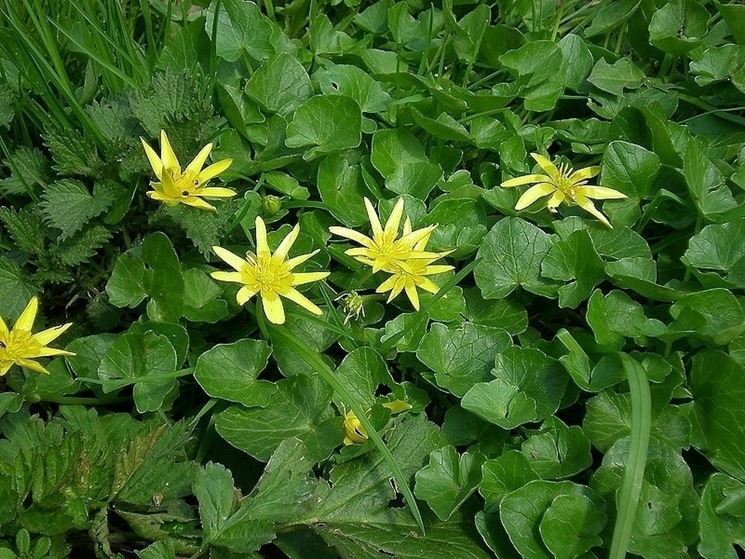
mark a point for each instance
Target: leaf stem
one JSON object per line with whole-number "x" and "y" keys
{"x": 641, "y": 422}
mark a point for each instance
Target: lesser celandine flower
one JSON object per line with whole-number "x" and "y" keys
{"x": 175, "y": 186}
{"x": 355, "y": 433}
{"x": 385, "y": 250}
{"x": 413, "y": 276}
{"x": 270, "y": 275}
{"x": 563, "y": 184}
{"x": 18, "y": 346}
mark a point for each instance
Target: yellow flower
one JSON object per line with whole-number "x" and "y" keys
{"x": 20, "y": 347}
{"x": 270, "y": 275}
{"x": 385, "y": 251}
{"x": 188, "y": 187}
{"x": 355, "y": 433}
{"x": 563, "y": 184}
{"x": 409, "y": 278}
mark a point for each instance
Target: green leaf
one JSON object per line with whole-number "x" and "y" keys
{"x": 351, "y": 81}
{"x": 571, "y": 526}
{"x": 615, "y": 316}
{"x": 448, "y": 480}
{"x": 126, "y": 286}
{"x": 400, "y": 158}
{"x": 705, "y": 183}
{"x": 26, "y": 228}
{"x": 714, "y": 314}
{"x": 523, "y": 511}
{"x": 229, "y": 371}
{"x": 16, "y": 288}
{"x": 280, "y": 85}
{"x": 242, "y": 28}
{"x": 556, "y": 450}
{"x": 327, "y": 123}
{"x": 717, "y": 410}
{"x": 142, "y": 357}
{"x": 213, "y": 488}
{"x": 201, "y": 303}
{"x": 720, "y": 529}
{"x": 511, "y": 255}
{"x": 614, "y": 78}
{"x": 574, "y": 258}
{"x": 720, "y": 247}
{"x": 610, "y": 16}
{"x": 528, "y": 387}
{"x": 678, "y": 26}
{"x": 463, "y": 356}
{"x": 363, "y": 371}
{"x": 163, "y": 280}
{"x": 295, "y": 409}
{"x": 503, "y": 475}
{"x": 630, "y": 168}
{"x": 342, "y": 189}
{"x": 68, "y": 206}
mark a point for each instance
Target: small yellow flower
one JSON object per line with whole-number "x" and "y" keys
{"x": 20, "y": 347}
{"x": 409, "y": 278}
{"x": 385, "y": 250}
{"x": 355, "y": 433}
{"x": 270, "y": 275}
{"x": 563, "y": 184}
{"x": 188, "y": 187}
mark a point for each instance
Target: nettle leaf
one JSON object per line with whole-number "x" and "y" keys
{"x": 557, "y": 451}
{"x": 82, "y": 246}
{"x": 720, "y": 247}
{"x": 574, "y": 258}
{"x": 328, "y": 123}
{"x": 616, "y": 316}
{"x": 242, "y": 28}
{"x": 720, "y": 517}
{"x": 463, "y": 356}
{"x": 718, "y": 411}
{"x": 511, "y": 255}
{"x": 214, "y": 489}
{"x": 400, "y": 158}
{"x": 74, "y": 153}
{"x": 524, "y": 511}
{"x": 16, "y": 289}
{"x": 528, "y": 387}
{"x": 297, "y": 408}
{"x": 68, "y": 205}
{"x": 229, "y": 371}
{"x": 143, "y": 358}
{"x": 26, "y": 228}
{"x": 630, "y": 168}
{"x": 280, "y": 85}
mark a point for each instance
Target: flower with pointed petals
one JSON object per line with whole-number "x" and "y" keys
{"x": 385, "y": 250}
{"x": 355, "y": 433}
{"x": 270, "y": 275}
{"x": 563, "y": 184}
{"x": 175, "y": 186}
{"x": 18, "y": 346}
{"x": 414, "y": 276}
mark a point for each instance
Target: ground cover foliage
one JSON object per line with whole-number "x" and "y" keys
{"x": 571, "y": 390}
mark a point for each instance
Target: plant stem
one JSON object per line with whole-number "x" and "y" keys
{"x": 633, "y": 477}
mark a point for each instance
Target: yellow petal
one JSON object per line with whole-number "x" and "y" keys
{"x": 413, "y": 296}
{"x": 525, "y": 179}
{"x": 193, "y": 168}
{"x": 33, "y": 365}
{"x": 273, "y": 308}
{"x": 397, "y": 406}
{"x": 262, "y": 246}
{"x": 533, "y": 194}
{"x": 195, "y": 202}
{"x": 167, "y": 157}
{"x": 297, "y": 260}
{"x": 587, "y": 205}
{"x": 548, "y": 167}
{"x": 284, "y": 247}
{"x": 377, "y": 229}
{"x": 387, "y": 285}
{"x": 215, "y": 192}
{"x": 394, "y": 220}
{"x": 233, "y": 260}
{"x": 153, "y": 158}
{"x": 415, "y": 236}
{"x": 437, "y": 269}
{"x": 296, "y": 297}
{"x": 601, "y": 192}
{"x": 5, "y": 367}
{"x": 352, "y": 234}
{"x": 428, "y": 285}
{"x": 3, "y": 327}
{"x": 244, "y": 294}
{"x": 26, "y": 320}
{"x": 584, "y": 174}
{"x": 556, "y": 198}
{"x": 398, "y": 287}
{"x": 45, "y": 337}
{"x": 52, "y": 352}
{"x": 420, "y": 245}
{"x": 308, "y": 277}
{"x": 234, "y": 277}
{"x": 407, "y": 227}
{"x": 215, "y": 169}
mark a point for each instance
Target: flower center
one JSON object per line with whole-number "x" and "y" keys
{"x": 388, "y": 250}
{"x": 18, "y": 344}
{"x": 268, "y": 274}
{"x": 567, "y": 186}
